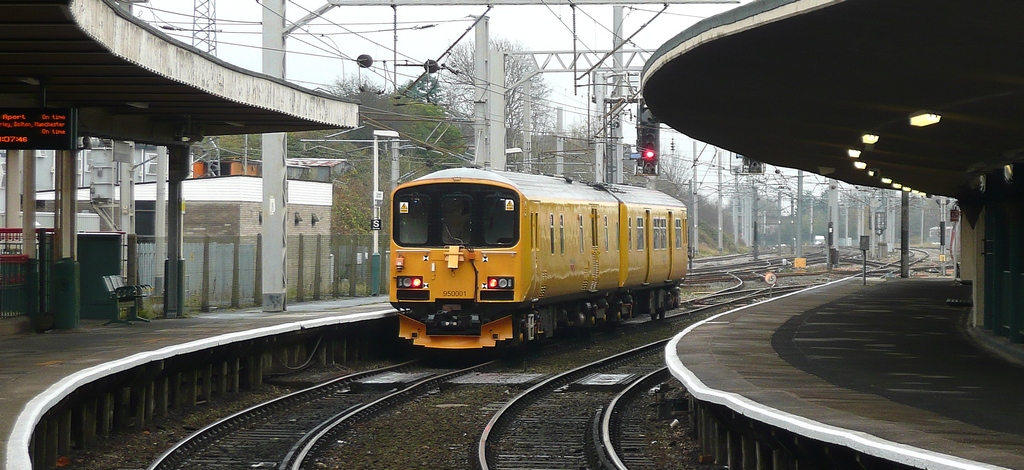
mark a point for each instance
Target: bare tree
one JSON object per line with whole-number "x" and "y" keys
{"x": 457, "y": 90}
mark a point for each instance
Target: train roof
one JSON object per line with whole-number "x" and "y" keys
{"x": 545, "y": 186}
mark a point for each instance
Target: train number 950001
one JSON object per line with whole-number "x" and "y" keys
{"x": 454, "y": 293}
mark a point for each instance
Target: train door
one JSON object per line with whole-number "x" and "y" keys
{"x": 535, "y": 248}
{"x": 595, "y": 265}
{"x": 670, "y": 243}
{"x": 644, "y": 230}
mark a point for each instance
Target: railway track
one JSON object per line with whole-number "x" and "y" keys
{"x": 293, "y": 431}
{"x": 547, "y": 425}
{"x": 284, "y": 430}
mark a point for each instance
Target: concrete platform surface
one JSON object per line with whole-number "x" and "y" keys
{"x": 888, "y": 369}
{"x": 37, "y": 370}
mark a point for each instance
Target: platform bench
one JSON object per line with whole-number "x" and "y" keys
{"x": 126, "y": 296}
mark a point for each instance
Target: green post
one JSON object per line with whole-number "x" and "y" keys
{"x": 32, "y": 291}
{"x": 66, "y": 306}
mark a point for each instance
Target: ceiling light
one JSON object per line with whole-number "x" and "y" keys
{"x": 897, "y": 186}
{"x": 860, "y": 165}
{"x": 872, "y": 172}
{"x": 869, "y": 139}
{"x": 853, "y": 153}
{"x": 136, "y": 104}
{"x": 29, "y": 80}
{"x": 924, "y": 118}
{"x": 886, "y": 180}
{"x": 906, "y": 189}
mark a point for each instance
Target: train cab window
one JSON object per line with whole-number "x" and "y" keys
{"x": 413, "y": 215}
{"x": 499, "y": 221}
{"x": 552, "y": 217}
{"x": 456, "y": 219}
{"x": 640, "y": 234}
{"x": 679, "y": 233}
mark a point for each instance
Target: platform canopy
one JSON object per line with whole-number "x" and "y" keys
{"x": 796, "y": 83}
{"x": 130, "y": 81}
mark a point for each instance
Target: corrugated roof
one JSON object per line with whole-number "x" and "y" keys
{"x": 226, "y": 189}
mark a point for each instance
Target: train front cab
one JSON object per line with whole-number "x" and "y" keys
{"x": 457, "y": 273}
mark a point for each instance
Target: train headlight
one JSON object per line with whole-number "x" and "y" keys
{"x": 409, "y": 282}
{"x": 498, "y": 282}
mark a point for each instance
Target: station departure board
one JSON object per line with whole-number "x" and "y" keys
{"x": 38, "y": 128}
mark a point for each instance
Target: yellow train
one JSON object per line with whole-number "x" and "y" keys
{"x": 481, "y": 258}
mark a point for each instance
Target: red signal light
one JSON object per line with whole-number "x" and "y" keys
{"x": 648, "y": 154}
{"x": 417, "y": 282}
{"x": 492, "y": 283}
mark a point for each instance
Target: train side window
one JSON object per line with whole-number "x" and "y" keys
{"x": 552, "y": 218}
{"x": 606, "y": 233}
{"x": 655, "y": 233}
{"x": 662, "y": 234}
{"x": 561, "y": 234}
{"x": 679, "y": 233}
{"x": 663, "y": 231}
{"x": 413, "y": 215}
{"x": 639, "y": 233}
{"x": 580, "y": 218}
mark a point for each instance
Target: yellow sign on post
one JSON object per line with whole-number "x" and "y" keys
{"x": 800, "y": 263}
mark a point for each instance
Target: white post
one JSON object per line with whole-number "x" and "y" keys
{"x": 527, "y": 128}
{"x": 160, "y": 219}
{"x": 480, "y": 69}
{"x": 378, "y": 198}
{"x": 718, "y": 160}
{"x": 559, "y": 142}
{"x": 15, "y": 159}
{"x": 275, "y": 183}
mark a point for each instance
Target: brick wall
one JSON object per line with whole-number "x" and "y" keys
{"x": 220, "y": 219}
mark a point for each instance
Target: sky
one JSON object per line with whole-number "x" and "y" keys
{"x": 325, "y": 49}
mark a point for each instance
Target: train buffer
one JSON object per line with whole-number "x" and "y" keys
{"x": 127, "y": 297}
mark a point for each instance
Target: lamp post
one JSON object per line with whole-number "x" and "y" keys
{"x": 375, "y": 223}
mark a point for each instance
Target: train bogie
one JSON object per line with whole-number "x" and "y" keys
{"x": 486, "y": 258}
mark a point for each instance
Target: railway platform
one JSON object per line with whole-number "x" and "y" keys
{"x": 889, "y": 370}
{"x": 37, "y": 370}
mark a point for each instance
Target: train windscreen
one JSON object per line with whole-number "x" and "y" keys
{"x": 456, "y": 214}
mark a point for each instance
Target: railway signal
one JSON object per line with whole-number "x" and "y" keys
{"x": 647, "y": 140}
